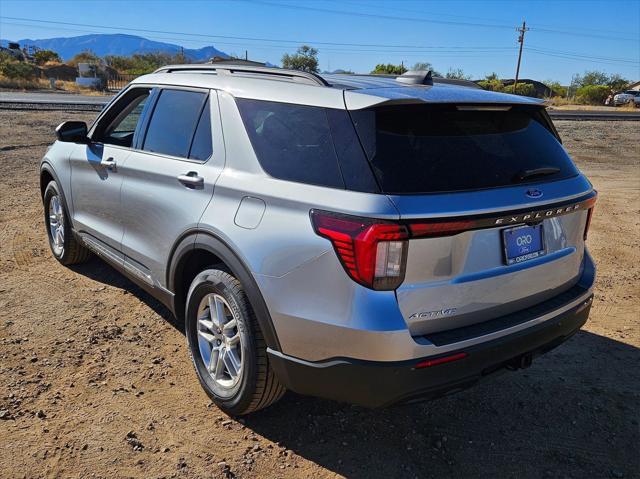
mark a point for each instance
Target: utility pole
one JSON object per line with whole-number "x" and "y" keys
{"x": 246, "y": 54}
{"x": 522, "y": 31}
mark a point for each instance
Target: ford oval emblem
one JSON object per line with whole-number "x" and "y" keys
{"x": 534, "y": 193}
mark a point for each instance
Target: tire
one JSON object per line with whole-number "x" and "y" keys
{"x": 67, "y": 250}
{"x": 235, "y": 336}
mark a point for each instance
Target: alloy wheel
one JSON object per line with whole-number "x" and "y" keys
{"x": 219, "y": 341}
{"x": 56, "y": 224}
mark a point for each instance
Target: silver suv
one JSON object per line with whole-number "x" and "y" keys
{"x": 631, "y": 97}
{"x": 366, "y": 239}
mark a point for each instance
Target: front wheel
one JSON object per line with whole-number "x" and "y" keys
{"x": 64, "y": 246}
{"x": 227, "y": 346}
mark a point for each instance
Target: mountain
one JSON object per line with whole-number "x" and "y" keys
{"x": 116, "y": 44}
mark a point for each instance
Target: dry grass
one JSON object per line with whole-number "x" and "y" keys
{"x": 42, "y": 84}
{"x": 73, "y": 87}
{"x": 18, "y": 84}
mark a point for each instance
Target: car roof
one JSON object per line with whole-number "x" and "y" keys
{"x": 327, "y": 90}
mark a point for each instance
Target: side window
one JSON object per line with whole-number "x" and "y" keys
{"x": 173, "y": 122}
{"x": 119, "y": 125}
{"x": 292, "y": 142}
{"x": 201, "y": 147}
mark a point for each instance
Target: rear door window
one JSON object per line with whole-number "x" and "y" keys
{"x": 292, "y": 142}
{"x": 202, "y": 147}
{"x": 417, "y": 149}
{"x": 173, "y": 122}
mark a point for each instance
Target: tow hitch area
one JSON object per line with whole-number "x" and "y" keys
{"x": 521, "y": 362}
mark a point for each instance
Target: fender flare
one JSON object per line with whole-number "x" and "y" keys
{"x": 46, "y": 166}
{"x": 204, "y": 240}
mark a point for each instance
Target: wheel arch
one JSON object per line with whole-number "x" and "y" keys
{"x": 48, "y": 174}
{"x": 198, "y": 249}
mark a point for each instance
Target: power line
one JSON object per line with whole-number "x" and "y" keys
{"x": 581, "y": 55}
{"x": 374, "y": 15}
{"x": 282, "y": 43}
{"x": 208, "y": 36}
{"x": 427, "y": 20}
{"x": 451, "y": 15}
{"x": 295, "y": 42}
{"x": 333, "y": 47}
{"x": 568, "y": 57}
{"x": 440, "y": 51}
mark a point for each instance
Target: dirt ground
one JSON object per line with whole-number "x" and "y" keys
{"x": 96, "y": 381}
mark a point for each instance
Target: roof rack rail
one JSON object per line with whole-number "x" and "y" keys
{"x": 295, "y": 75}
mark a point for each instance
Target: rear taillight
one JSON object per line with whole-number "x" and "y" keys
{"x": 373, "y": 252}
{"x": 440, "y": 228}
{"x": 588, "y": 224}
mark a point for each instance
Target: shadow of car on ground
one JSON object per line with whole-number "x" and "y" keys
{"x": 573, "y": 414}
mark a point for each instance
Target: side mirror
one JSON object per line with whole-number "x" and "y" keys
{"x": 72, "y": 132}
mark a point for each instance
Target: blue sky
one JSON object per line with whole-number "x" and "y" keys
{"x": 566, "y": 37}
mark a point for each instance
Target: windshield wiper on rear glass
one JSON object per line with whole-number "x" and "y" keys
{"x": 528, "y": 174}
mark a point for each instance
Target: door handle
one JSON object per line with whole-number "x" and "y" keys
{"x": 191, "y": 180}
{"x": 109, "y": 164}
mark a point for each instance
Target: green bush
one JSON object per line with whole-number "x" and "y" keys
{"x": 558, "y": 90}
{"x": 593, "y": 94}
{"x": 388, "y": 69}
{"x": 523, "y": 89}
{"x": 491, "y": 85}
{"x": 16, "y": 70}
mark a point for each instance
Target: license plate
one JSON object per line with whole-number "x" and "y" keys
{"x": 523, "y": 243}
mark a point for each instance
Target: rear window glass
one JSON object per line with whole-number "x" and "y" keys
{"x": 437, "y": 148}
{"x": 292, "y": 142}
{"x": 173, "y": 122}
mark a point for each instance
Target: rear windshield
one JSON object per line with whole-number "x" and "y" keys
{"x": 437, "y": 148}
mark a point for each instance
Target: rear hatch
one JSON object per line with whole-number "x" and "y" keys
{"x": 496, "y": 208}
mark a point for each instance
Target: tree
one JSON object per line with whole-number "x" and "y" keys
{"x": 388, "y": 69}
{"x": 457, "y": 74}
{"x": 491, "y": 76}
{"x": 44, "y": 56}
{"x": 426, "y": 66}
{"x": 86, "y": 56}
{"x": 305, "y": 59}
{"x": 617, "y": 83}
{"x": 593, "y": 77}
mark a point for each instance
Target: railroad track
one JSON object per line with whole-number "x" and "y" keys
{"x": 98, "y": 103}
{"x": 50, "y": 106}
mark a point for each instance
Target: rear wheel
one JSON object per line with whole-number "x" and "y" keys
{"x": 64, "y": 246}
{"x": 227, "y": 346}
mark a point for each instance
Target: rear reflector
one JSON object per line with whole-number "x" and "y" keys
{"x": 435, "y": 362}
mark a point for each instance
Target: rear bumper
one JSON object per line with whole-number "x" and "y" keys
{"x": 377, "y": 384}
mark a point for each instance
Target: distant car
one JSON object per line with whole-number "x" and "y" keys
{"x": 367, "y": 239}
{"x": 626, "y": 97}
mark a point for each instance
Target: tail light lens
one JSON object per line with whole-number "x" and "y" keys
{"x": 588, "y": 224}
{"x": 373, "y": 252}
{"x": 591, "y": 204}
